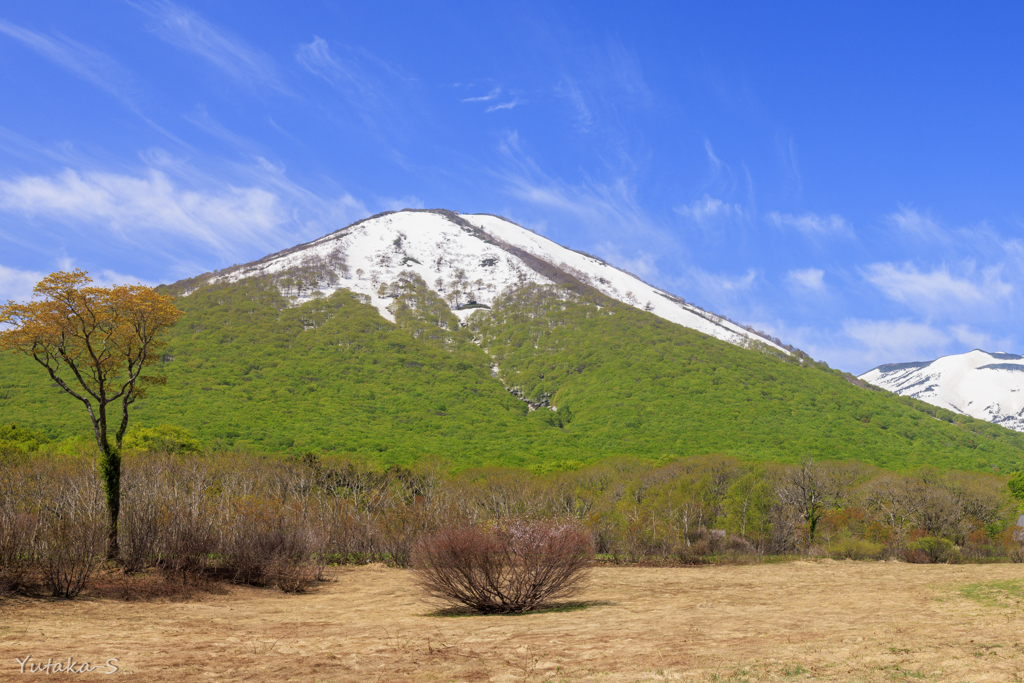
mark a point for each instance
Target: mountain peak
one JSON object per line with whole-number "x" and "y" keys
{"x": 466, "y": 259}
{"x": 988, "y": 386}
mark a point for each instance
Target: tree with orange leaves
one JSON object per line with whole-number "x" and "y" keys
{"x": 95, "y": 343}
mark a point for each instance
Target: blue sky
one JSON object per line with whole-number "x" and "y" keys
{"x": 846, "y": 178}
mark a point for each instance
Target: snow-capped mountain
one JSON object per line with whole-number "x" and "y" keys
{"x": 469, "y": 258}
{"x": 988, "y": 386}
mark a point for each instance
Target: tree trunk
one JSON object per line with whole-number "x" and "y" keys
{"x": 110, "y": 472}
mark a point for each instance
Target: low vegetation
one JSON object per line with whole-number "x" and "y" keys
{"x": 513, "y": 538}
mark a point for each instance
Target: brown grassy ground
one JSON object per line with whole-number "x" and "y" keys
{"x": 844, "y": 621}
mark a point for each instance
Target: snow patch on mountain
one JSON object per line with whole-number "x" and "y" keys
{"x": 469, "y": 259}
{"x": 616, "y": 284}
{"x": 987, "y": 386}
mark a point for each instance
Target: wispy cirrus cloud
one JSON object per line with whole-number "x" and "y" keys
{"x": 713, "y": 160}
{"x": 494, "y": 94}
{"x": 616, "y": 222}
{"x": 708, "y": 209}
{"x": 641, "y": 263}
{"x": 910, "y": 221}
{"x": 570, "y": 89}
{"x": 373, "y": 89}
{"x": 484, "y": 98}
{"x": 937, "y": 289}
{"x": 602, "y": 204}
{"x": 188, "y": 31}
{"x": 627, "y": 73}
{"x": 811, "y": 224}
{"x": 504, "y": 105}
{"x": 318, "y": 59}
{"x": 713, "y": 284}
{"x": 91, "y": 65}
{"x": 809, "y": 279}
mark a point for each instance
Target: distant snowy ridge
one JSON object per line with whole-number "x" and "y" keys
{"x": 988, "y": 386}
{"x": 468, "y": 257}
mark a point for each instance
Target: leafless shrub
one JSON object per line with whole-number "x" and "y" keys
{"x": 399, "y": 528}
{"x": 513, "y": 567}
{"x": 341, "y": 527}
{"x": 915, "y": 556}
{"x": 263, "y": 545}
{"x": 294, "y": 574}
{"x": 1015, "y": 550}
{"x": 187, "y": 535}
{"x": 18, "y": 527}
{"x": 143, "y": 514}
{"x": 72, "y": 538}
{"x": 17, "y": 551}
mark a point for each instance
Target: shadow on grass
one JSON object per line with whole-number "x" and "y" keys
{"x": 545, "y": 609}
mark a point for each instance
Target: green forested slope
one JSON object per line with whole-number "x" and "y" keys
{"x": 634, "y": 383}
{"x": 245, "y": 370}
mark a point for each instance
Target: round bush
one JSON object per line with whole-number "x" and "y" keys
{"x": 932, "y": 549}
{"x": 511, "y": 567}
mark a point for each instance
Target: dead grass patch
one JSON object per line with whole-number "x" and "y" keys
{"x": 801, "y": 621}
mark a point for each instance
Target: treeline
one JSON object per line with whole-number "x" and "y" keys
{"x": 253, "y": 520}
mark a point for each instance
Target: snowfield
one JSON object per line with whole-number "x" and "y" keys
{"x": 987, "y": 386}
{"x": 472, "y": 257}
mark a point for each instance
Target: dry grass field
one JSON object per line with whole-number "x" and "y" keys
{"x": 799, "y": 621}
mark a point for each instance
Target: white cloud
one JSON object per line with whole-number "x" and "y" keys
{"x": 377, "y": 92}
{"x": 610, "y": 204}
{"x": 16, "y": 285}
{"x": 90, "y": 64}
{"x": 484, "y": 98}
{"x": 807, "y": 278}
{"x": 716, "y": 163}
{"x": 727, "y": 284}
{"x": 317, "y": 58}
{"x": 641, "y": 265}
{"x": 609, "y": 211}
{"x": 201, "y": 119}
{"x": 708, "y": 209}
{"x": 910, "y": 221}
{"x": 188, "y": 31}
{"x": 895, "y": 341}
{"x": 811, "y": 224}
{"x": 140, "y": 208}
{"x": 976, "y": 339}
{"x": 938, "y": 289}
{"x": 504, "y": 105}
{"x": 571, "y": 90}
